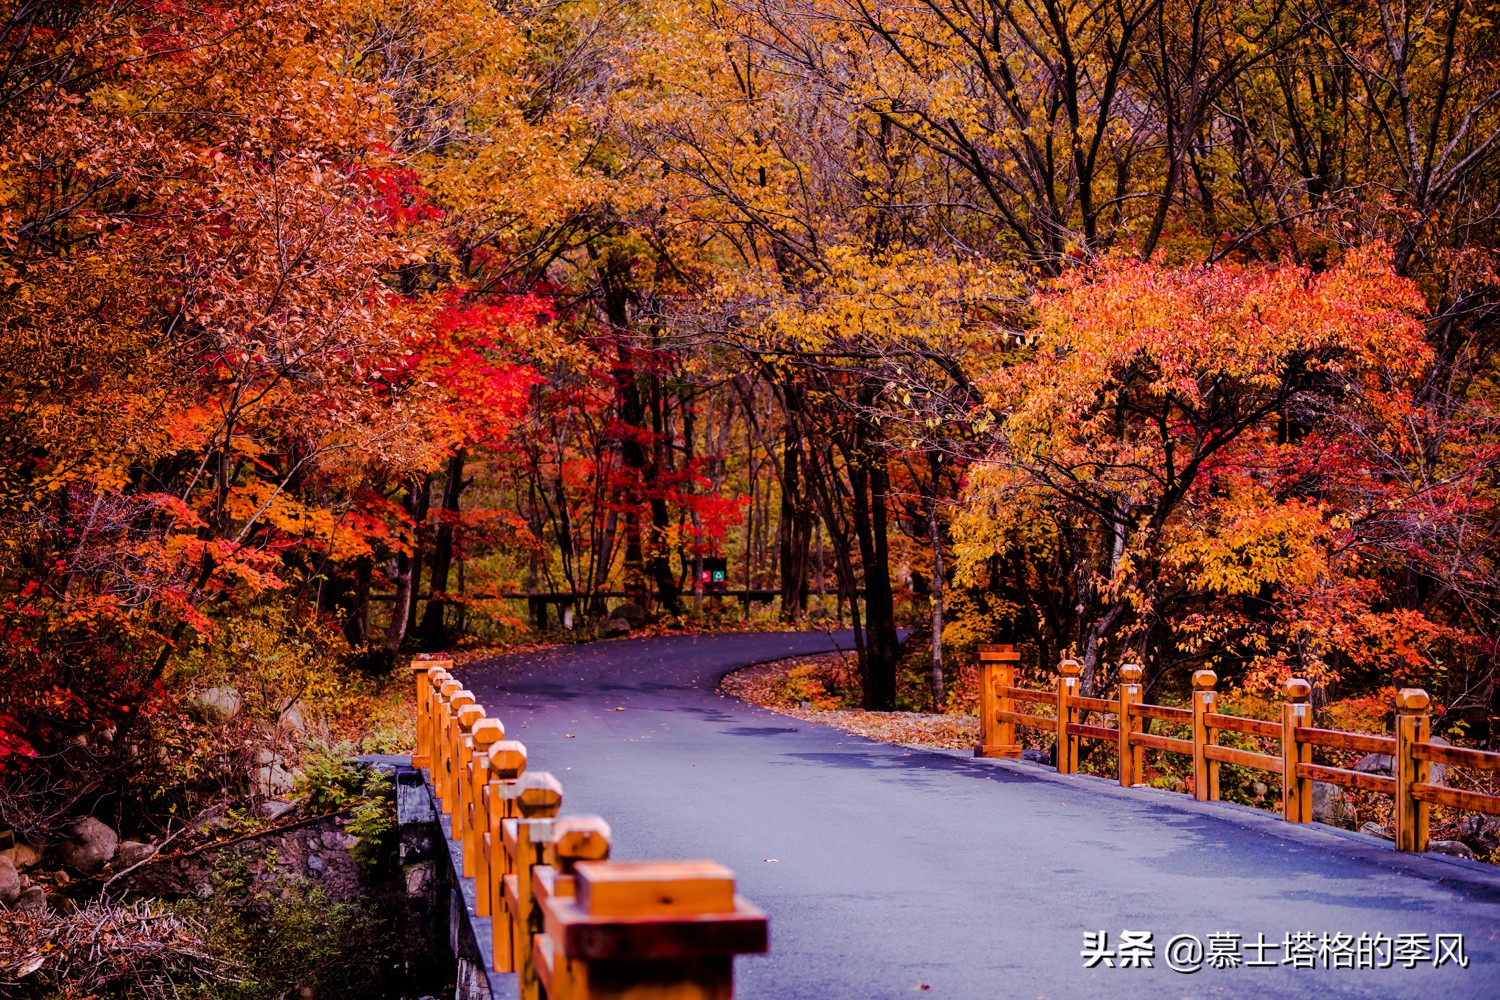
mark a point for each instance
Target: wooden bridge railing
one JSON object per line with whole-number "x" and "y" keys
{"x": 570, "y": 923}
{"x": 1411, "y": 749}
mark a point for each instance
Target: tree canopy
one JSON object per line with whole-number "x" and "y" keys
{"x": 1155, "y": 330}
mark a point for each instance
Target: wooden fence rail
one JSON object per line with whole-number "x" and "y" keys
{"x": 569, "y": 922}
{"x": 1411, "y": 749}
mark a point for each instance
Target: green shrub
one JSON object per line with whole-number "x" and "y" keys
{"x": 275, "y": 939}
{"x": 331, "y": 782}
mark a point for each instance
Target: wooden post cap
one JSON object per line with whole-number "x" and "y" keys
{"x": 1070, "y": 668}
{"x": 654, "y": 888}
{"x": 581, "y": 838}
{"x": 431, "y": 659}
{"x": 507, "y": 759}
{"x": 1204, "y": 680}
{"x": 460, "y": 698}
{"x": 998, "y": 652}
{"x": 469, "y": 714}
{"x": 1130, "y": 673}
{"x": 450, "y": 687}
{"x": 1412, "y": 700}
{"x": 539, "y": 795}
{"x": 486, "y": 731}
{"x": 1297, "y": 689}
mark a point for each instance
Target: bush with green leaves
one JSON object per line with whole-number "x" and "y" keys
{"x": 277, "y": 938}
{"x": 332, "y": 782}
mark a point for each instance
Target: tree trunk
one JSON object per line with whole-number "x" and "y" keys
{"x": 868, "y": 478}
{"x": 357, "y": 622}
{"x": 794, "y": 529}
{"x": 409, "y": 568}
{"x": 668, "y": 593}
{"x": 935, "y": 531}
{"x": 419, "y": 550}
{"x": 434, "y": 633}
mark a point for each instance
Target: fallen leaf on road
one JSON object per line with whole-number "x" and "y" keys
{"x": 570, "y": 736}
{"x": 772, "y": 861}
{"x": 619, "y": 709}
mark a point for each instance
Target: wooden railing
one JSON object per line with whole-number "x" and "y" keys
{"x": 570, "y": 923}
{"x": 1411, "y": 749}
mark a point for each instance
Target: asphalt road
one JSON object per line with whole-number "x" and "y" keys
{"x": 892, "y": 873}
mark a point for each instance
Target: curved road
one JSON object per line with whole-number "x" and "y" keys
{"x": 893, "y": 873}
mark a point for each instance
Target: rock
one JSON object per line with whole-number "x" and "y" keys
{"x": 88, "y": 846}
{"x": 1480, "y": 832}
{"x": 1374, "y": 763}
{"x": 316, "y": 866}
{"x": 1323, "y": 797}
{"x": 218, "y": 704}
{"x": 418, "y": 877}
{"x": 1038, "y": 756}
{"x": 337, "y": 840}
{"x": 1328, "y": 805}
{"x": 1259, "y": 788}
{"x": 1437, "y": 774}
{"x": 58, "y": 903}
{"x": 1454, "y": 848}
{"x": 631, "y": 614}
{"x": 133, "y": 852}
{"x": 33, "y": 900}
{"x": 1375, "y": 830}
{"x": 272, "y": 781}
{"x": 613, "y": 626}
{"x": 23, "y": 856}
{"x": 292, "y": 718}
{"x": 274, "y": 809}
{"x": 10, "y": 881}
{"x": 265, "y": 757}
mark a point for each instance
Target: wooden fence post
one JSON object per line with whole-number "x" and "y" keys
{"x": 1413, "y": 725}
{"x": 452, "y": 738}
{"x": 482, "y": 735}
{"x": 507, "y": 762}
{"x": 1296, "y": 790}
{"x": 441, "y": 753}
{"x": 422, "y": 673}
{"x": 427, "y": 712}
{"x": 1205, "y": 771}
{"x": 654, "y": 930}
{"x": 527, "y": 841}
{"x": 463, "y": 752}
{"x": 574, "y": 839}
{"x": 502, "y": 764}
{"x": 553, "y": 841}
{"x": 997, "y": 672}
{"x": 1067, "y": 745}
{"x": 1131, "y": 757}
{"x": 539, "y": 797}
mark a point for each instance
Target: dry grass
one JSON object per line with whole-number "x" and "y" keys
{"x": 99, "y": 948}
